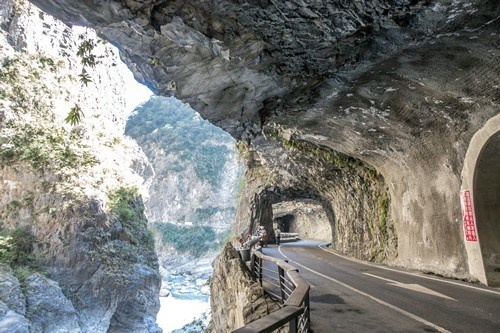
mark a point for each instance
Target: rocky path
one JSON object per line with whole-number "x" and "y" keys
{"x": 352, "y": 296}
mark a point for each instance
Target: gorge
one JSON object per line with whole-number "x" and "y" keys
{"x": 383, "y": 115}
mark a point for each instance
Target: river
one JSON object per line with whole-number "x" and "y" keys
{"x": 188, "y": 299}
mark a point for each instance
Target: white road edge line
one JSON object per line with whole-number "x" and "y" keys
{"x": 408, "y": 273}
{"x": 390, "y": 306}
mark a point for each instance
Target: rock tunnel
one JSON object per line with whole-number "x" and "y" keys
{"x": 307, "y": 218}
{"x": 370, "y": 105}
{"x": 298, "y": 211}
{"x": 487, "y": 207}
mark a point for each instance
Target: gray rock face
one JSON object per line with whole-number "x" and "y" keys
{"x": 10, "y": 291}
{"x": 47, "y": 308}
{"x": 237, "y": 299}
{"x": 11, "y": 321}
{"x": 110, "y": 276}
{"x": 40, "y": 306}
{"x": 398, "y": 88}
{"x": 75, "y": 189}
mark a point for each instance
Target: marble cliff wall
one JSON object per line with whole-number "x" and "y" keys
{"x": 366, "y": 107}
{"x": 74, "y": 243}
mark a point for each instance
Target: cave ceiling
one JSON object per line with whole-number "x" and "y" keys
{"x": 373, "y": 79}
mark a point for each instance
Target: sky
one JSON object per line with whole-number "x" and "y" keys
{"x": 136, "y": 93}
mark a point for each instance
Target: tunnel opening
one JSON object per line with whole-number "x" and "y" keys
{"x": 293, "y": 210}
{"x": 307, "y": 218}
{"x": 487, "y": 207}
{"x": 284, "y": 222}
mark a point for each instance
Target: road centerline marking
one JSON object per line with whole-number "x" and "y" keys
{"x": 412, "y": 286}
{"x": 390, "y": 306}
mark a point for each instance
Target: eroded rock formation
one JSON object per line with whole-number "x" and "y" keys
{"x": 72, "y": 223}
{"x": 237, "y": 296}
{"x": 365, "y": 106}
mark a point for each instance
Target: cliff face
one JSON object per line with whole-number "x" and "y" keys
{"x": 366, "y": 107}
{"x": 195, "y": 180}
{"x": 195, "y": 163}
{"x": 237, "y": 296}
{"x": 369, "y": 108}
{"x": 73, "y": 229}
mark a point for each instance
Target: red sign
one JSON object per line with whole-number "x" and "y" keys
{"x": 468, "y": 216}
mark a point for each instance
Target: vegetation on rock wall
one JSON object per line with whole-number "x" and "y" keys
{"x": 45, "y": 148}
{"x": 193, "y": 183}
{"x": 180, "y": 132}
{"x": 363, "y": 228}
{"x": 195, "y": 240}
{"x": 17, "y": 251}
{"x": 126, "y": 205}
{"x": 116, "y": 241}
{"x": 57, "y": 176}
{"x": 31, "y": 135}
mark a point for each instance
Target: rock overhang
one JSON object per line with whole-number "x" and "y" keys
{"x": 401, "y": 86}
{"x": 237, "y": 62}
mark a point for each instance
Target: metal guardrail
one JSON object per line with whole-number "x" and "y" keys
{"x": 282, "y": 281}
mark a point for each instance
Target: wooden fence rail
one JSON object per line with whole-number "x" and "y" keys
{"x": 282, "y": 281}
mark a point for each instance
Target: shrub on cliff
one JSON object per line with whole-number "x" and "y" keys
{"x": 16, "y": 251}
{"x": 195, "y": 240}
{"x": 126, "y": 205}
{"x": 179, "y": 131}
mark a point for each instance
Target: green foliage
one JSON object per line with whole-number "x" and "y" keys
{"x": 122, "y": 203}
{"x": 14, "y": 205}
{"x": 16, "y": 251}
{"x": 126, "y": 206}
{"x": 88, "y": 60}
{"x": 44, "y": 148}
{"x": 47, "y": 62}
{"x": 384, "y": 213}
{"x": 84, "y": 77}
{"x": 210, "y": 167}
{"x": 202, "y": 215}
{"x": 10, "y": 70}
{"x": 335, "y": 159}
{"x": 16, "y": 246}
{"x": 178, "y": 130}
{"x": 75, "y": 115}
{"x": 16, "y": 72}
{"x": 195, "y": 240}
{"x": 155, "y": 62}
{"x": 85, "y": 50}
{"x": 243, "y": 149}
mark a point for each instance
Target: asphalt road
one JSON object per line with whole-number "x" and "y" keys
{"x": 352, "y": 296}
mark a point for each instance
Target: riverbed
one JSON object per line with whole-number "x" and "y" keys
{"x": 188, "y": 298}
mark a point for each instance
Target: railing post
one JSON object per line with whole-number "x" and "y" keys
{"x": 307, "y": 313}
{"x": 293, "y": 325}
{"x": 260, "y": 271}
{"x": 295, "y": 310}
{"x": 252, "y": 264}
{"x": 281, "y": 273}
